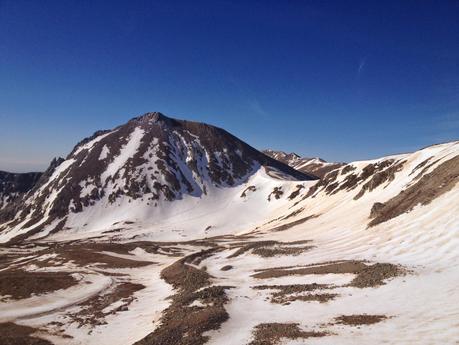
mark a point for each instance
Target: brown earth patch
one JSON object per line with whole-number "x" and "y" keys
{"x": 376, "y": 274}
{"x": 352, "y": 181}
{"x": 279, "y": 251}
{"x": 338, "y": 267}
{"x": 166, "y": 248}
{"x": 287, "y": 226}
{"x": 327, "y": 180}
{"x": 92, "y": 310}
{"x": 347, "y": 169}
{"x": 273, "y": 333}
{"x": 285, "y": 294}
{"x": 21, "y": 284}
{"x": 426, "y": 167}
{"x": 379, "y": 177}
{"x": 181, "y": 322}
{"x": 83, "y": 257}
{"x": 248, "y": 189}
{"x": 277, "y": 193}
{"x": 296, "y": 192}
{"x": 245, "y": 247}
{"x": 324, "y": 170}
{"x": 374, "y": 170}
{"x": 420, "y": 165}
{"x": 290, "y": 215}
{"x": 6, "y": 260}
{"x": 319, "y": 297}
{"x": 357, "y": 320}
{"x": 429, "y": 187}
{"x": 367, "y": 275}
{"x": 13, "y": 334}
{"x": 270, "y": 248}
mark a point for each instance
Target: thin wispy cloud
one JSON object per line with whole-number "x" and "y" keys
{"x": 362, "y": 64}
{"x": 256, "y": 107}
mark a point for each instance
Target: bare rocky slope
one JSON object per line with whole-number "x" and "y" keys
{"x": 316, "y": 166}
{"x": 14, "y": 185}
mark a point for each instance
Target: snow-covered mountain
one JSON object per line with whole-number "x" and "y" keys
{"x": 133, "y": 172}
{"x": 163, "y": 231}
{"x": 316, "y": 166}
{"x": 14, "y": 185}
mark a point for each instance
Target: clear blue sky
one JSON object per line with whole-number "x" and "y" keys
{"x": 344, "y": 80}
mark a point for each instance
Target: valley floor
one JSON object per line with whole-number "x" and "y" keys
{"x": 282, "y": 287}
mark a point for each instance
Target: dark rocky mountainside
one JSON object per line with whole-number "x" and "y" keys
{"x": 14, "y": 185}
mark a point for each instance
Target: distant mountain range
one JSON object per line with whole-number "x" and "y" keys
{"x": 316, "y": 166}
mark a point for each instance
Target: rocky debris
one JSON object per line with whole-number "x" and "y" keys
{"x": 273, "y": 333}
{"x": 19, "y": 284}
{"x": 82, "y": 256}
{"x": 285, "y": 294}
{"x": 380, "y": 177}
{"x": 280, "y": 250}
{"x": 367, "y": 275}
{"x": 277, "y": 193}
{"x": 358, "y": 320}
{"x": 93, "y": 311}
{"x": 197, "y": 305}
{"x": 271, "y": 248}
{"x": 372, "y": 176}
{"x": 13, "y": 334}
{"x": 296, "y": 192}
{"x": 287, "y": 226}
{"x": 248, "y": 189}
{"x": 376, "y": 275}
{"x": 183, "y": 323}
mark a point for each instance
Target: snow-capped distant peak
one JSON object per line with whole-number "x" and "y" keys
{"x": 316, "y": 166}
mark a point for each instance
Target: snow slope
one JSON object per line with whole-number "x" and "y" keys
{"x": 423, "y": 306}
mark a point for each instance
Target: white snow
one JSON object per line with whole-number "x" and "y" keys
{"x": 127, "y": 151}
{"x": 104, "y": 153}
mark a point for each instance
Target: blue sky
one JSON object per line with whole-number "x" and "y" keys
{"x": 344, "y": 80}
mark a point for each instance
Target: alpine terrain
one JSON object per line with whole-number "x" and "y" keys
{"x": 165, "y": 231}
{"x": 316, "y": 166}
{"x": 14, "y": 185}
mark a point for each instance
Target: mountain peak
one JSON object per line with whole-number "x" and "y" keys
{"x": 149, "y": 161}
{"x": 153, "y": 118}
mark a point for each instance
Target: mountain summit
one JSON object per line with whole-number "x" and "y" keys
{"x": 151, "y": 159}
